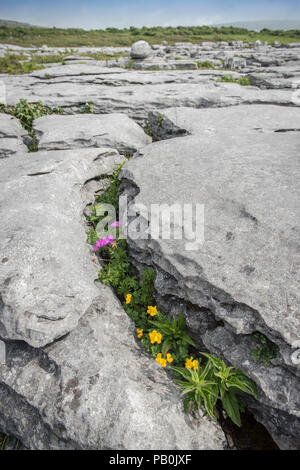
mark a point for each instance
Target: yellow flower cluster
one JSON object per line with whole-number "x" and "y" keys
{"x": 191, "y": 363}
{"x": 140, "y": 332}
{"x": 155, "y": 337}
{"x": 163, "y": 361}
{"x": 152, "y": 310}
{"x": 128, "y": 298}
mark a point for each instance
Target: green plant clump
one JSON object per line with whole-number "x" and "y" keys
{"x": 205, "y": 65}
{"x": 88, "y": 109}
{"x": 265, "y": 351}
{"x": 147, "y": 129}
{"x": 211, "y": 382}
{"x": 27, "y": 113}
{"x": 204, "y": 381}
{"x": 243, "y": 81}
{"x": 159, "y": 120}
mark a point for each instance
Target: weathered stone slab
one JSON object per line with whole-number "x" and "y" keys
{"x": 244, "y": 274}
{"x": 249, "y": 119}
{"x": 46, "y": 274}
{"x": 11, "y": 136}
{"x": 86, "y": 130}
{"x": 73, "y": 375}
{"x": 137, "y": 101}
{"x": 97, "y": 68}
{"x": 97, "y": 389}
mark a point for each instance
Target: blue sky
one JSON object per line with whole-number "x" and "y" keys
{"x": 101, "y": 14}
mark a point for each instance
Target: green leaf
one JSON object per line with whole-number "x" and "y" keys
{"x": 218, "y": 363}
{"x": 181, "y": 322}
{"x": 188, "y": 402}
{"x": 210, "y": 399}
{"x": 231, "y": 406}
{"x": 242, "y": 382}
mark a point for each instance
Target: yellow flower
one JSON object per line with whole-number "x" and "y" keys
{"x": 195, "y": 364}
{"x": 169, "y": 357}
{"x": 158, "y": 358}
{"x": 155, "y": 337}
{"x": 128, "y": 298}
{"x": 189, "y": 362}
{"x": 161, "y": 360}
{"x": 139, "y": 333}
{"x": 152, "y": 310}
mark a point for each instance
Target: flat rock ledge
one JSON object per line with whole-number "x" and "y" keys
{"x": 241, "y": 163}
{"x": 73, "y": 376}
{"x": 88, "y": 130}
{"x": 11, "y": 136}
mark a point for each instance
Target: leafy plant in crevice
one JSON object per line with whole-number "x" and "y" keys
{"x": 265, "y": 351}
{"x": 211, "y": 382}
{"x": 204, "y": 381}
{"x": 88, "y": 109}
{"x": 159, "y": 120}
{"x": 147, "y": 129}
{"x": 27, "y": 113}
{"x": 174, "y": 336}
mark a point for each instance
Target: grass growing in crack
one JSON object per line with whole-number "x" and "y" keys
{"x": 204, "y": 379}
{"x": 88, "y": 109}
{"x": 147, "y": 129}
{"x": 265, "y": 351}
{"x": 27, "y": 113}
{"x": 243, "y": 81}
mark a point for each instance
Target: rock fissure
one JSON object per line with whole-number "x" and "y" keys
{"x": 70, "y": 347}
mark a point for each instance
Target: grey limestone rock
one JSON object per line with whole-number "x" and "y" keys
{"x": 241, "y": 163}
{"x": 87, "y": 130}
{"x": 11, "y": 136}
{"x": 140, "y": 50}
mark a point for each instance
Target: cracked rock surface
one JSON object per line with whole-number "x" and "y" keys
{"x": 96, "y": 389}
{"x": 74, "y": 376}
{"x": 11, "y": 136}
{"x": 244, "y": 274}
{"x": 112, "y": 130}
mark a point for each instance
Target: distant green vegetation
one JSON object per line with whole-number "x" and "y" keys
{"x": 20, "y": 63}
{"x": 14, "y": 64}
{"x": 205, "y": 65}
{"x": 74, "y": 37}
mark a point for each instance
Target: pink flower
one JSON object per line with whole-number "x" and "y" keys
{"x": 103, "y": 241}
{"x": 115, "y": 224}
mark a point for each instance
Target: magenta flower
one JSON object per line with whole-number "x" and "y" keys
{"x": 115, "y": 224}
{"x": 103, "y": 241}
